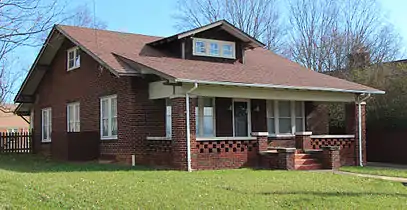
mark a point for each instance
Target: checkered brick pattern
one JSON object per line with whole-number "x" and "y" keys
{"x": 226, "y": 146}
{"x": 343, "y": 143}
{"x": 159, "y": 146}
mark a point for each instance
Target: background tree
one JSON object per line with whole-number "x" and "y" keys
{"x": 259, "y": 18}
{"x": 82, "y": 16}
{"x": 25, "y": 24}
{"x": 323, "y": 33}
{"x": 21, "y": 24}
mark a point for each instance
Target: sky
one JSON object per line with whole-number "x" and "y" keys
{"x": 155, "y": 17}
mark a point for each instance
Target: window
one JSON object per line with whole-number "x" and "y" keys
{"x": 200, "y": 47}
{"x": 214, "y": 49}
{"x": 108, "y": 117}
{"x": 74, "y": 58}
{"x": 217, "y": 48}
{"x": 46, "y": 122}
{"x": 73, "y": 117}
{"x": 168, "y": 131}
{"x": 285, "y": 117}
{"x": 227, "y": 50}
{"x": 205, "y": 117}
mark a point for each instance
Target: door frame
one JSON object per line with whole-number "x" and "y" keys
{"x": 249, "y": 115}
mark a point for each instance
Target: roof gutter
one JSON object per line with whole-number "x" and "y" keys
{"x": 280, "y": 86}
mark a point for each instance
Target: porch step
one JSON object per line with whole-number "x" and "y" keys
{"x": 306, "y": 162}
{"x": 308, "y": 167}
{"x": 303, "y": 156}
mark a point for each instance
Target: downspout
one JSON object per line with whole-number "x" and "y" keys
{"x": 360, "y": 101}
{"x": 189, "y": 126}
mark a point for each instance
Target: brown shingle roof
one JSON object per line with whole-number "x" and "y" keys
{"x": 261, "y": 67}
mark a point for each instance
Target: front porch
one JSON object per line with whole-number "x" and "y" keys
{"x": 234, "y": 127}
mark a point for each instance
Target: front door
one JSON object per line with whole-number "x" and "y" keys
{"x": 240, "y": 116}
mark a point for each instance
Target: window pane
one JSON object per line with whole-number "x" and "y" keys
{"x": 197, "y": 119}
{"x": 298, "y": 109}
{"x": 227, "y": 50}
{"x": 270, "y": 126}
{"x": 105, "y": 127}
{"x": 114, "y": 107}
{"x": 114, "y": 126}
{"x": 285, "y": 125}
{"x": 298, "y": 125}
{"x": 208, "y": 126}
{"x": 284, "y": 108}
{"x": 270, "y": 109}
{"x": 71, "y": 63}
{"x": 200, "y": 47}
{"x": 105, "y": 111}
{"x": 214, "y": 49}
{"x": 71, "y": 55}
{"x": 77, "y": 58}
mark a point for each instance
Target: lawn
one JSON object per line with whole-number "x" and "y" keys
{"x": 29, "y": 182}
{"x": 376, "y": 171}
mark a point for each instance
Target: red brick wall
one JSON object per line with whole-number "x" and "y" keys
{"x": 282, "y": 142}
{"x": 138, "y": 116}
{"x": 226, "y": 154}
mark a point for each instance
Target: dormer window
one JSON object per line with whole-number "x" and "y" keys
{"x": 74, "y": 58}
{"x": 213, "y": 48}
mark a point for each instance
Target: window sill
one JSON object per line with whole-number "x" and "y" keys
{"x": 332, "y": 136}
{"x": 73, "y": 68}
{"x": 44, "y": 141}
{"x": 151, "y": 138}
{"x": 108, "y": 138}
{"x": 282, "y": 135}
{"x": 224, "y": 138}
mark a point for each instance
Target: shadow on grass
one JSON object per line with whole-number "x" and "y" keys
{"x": 315, "y": 193}
{"x": 36, "y": 164}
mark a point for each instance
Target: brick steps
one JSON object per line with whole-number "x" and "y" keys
{"x": 309, "y": 167}
{"x": 306, "y": 162}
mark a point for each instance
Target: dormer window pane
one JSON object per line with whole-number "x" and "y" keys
{"x": 214, "y": 49}
{"x": 200, "y": 47}
{"x": 227, "y": 50}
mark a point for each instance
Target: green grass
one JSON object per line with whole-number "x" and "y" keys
{"x": 376, "y": 171}
{"x": 28, "y": 182}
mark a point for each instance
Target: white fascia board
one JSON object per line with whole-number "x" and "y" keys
{"x": 278, "y": 86}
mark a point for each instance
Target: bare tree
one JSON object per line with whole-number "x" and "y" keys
{"x": 258, "y": 18}
{"x": 84, "y": 17}
{"x": 325, "y": 34}
{"x": 21, "y": 24}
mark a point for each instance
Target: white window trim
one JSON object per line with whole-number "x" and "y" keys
{"x": 249, "y": 115}
{"x": 208, "y": 42}
{"x": 200, "y": 103}
{"x": 109, "y": 136}
{"x": 277, "y": 115}
{"x": 76, "y": 108}
{"x": 49, "y": 110}
{"x": 75, "y": 51}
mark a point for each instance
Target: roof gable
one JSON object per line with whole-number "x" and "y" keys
{"x": 250, "y": 41}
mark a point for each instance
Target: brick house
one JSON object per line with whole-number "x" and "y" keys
{"x": 208, "y": 98}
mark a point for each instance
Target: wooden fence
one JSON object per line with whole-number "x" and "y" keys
{"x": 16, "y": 142}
